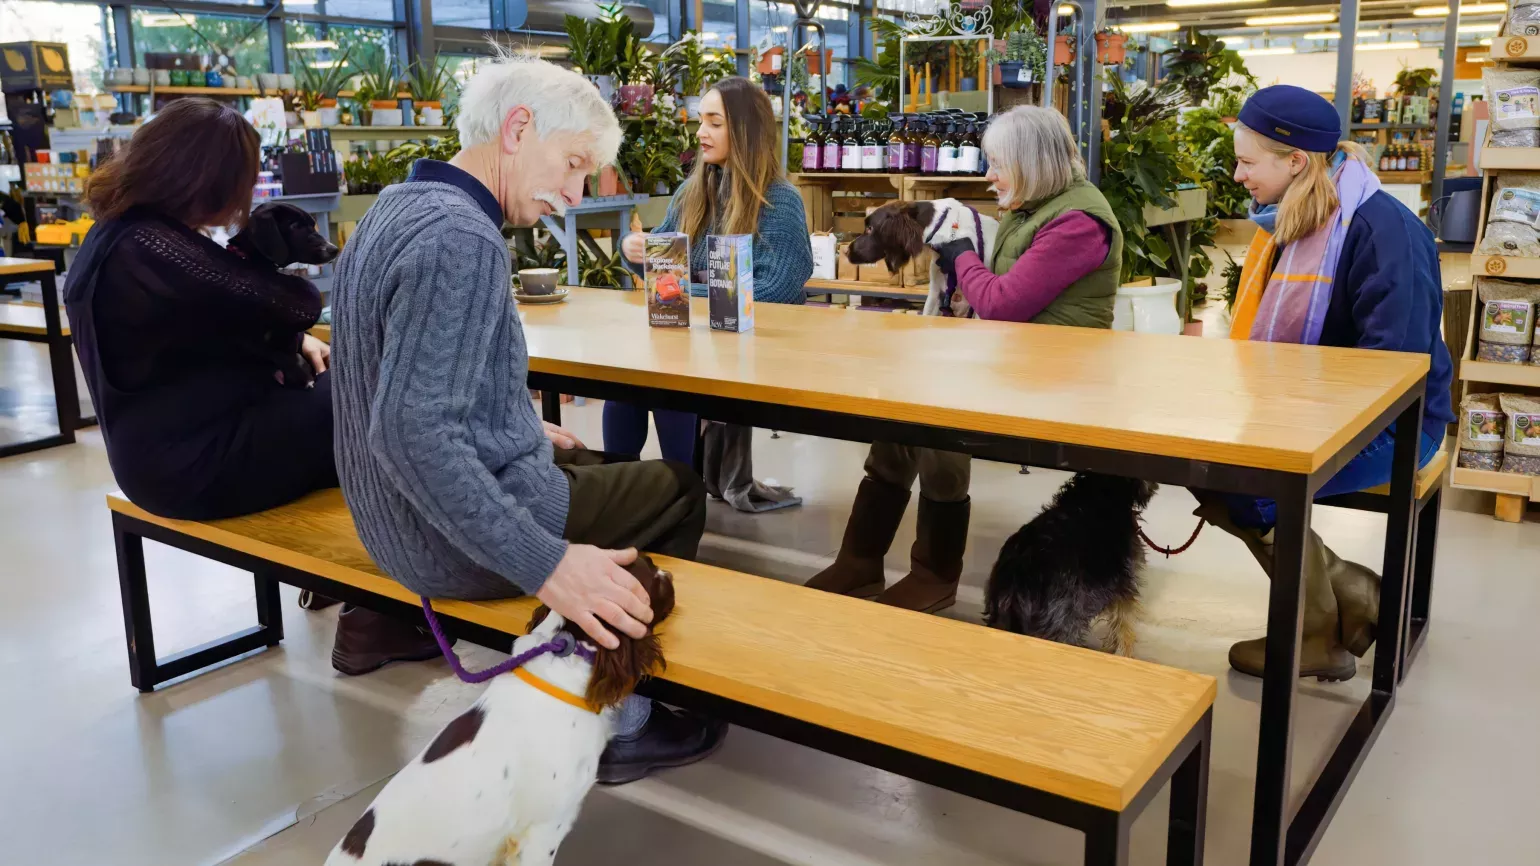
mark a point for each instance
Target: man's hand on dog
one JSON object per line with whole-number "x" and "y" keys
{"x": 948, "y": 253}
{"x": 591, "y": 584}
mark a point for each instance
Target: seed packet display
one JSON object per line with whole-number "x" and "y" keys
{"x": 730, "y": 281}
{"x": 1506, "y": 324}
{"x": 1514, "y": 97}
{"x": 1521, "y": 447}
{"x": 667, "y": 277}
{"x": 1513, "y": 223}
{"x": 1482, "y": 425}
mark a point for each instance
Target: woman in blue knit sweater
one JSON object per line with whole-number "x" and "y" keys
{"x": 737, "y": 187}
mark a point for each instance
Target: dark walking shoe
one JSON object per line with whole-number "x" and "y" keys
{"x": 312, "y": 601}
{"x": 367, "y": 641}
{"x": 671, "y": 738}
{"x": 874, "y": 518}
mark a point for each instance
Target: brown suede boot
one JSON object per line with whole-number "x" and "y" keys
{"x": 367, "y": 641}
{"x": 1321, "y": 651}
{"x": 935, "y": 561}
{"x": 874, "y": 519}
{"x": 1357, "y": 590}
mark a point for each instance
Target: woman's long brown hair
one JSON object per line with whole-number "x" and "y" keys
{"x": 196, "y": 161}
{"x": 753, "y": 163}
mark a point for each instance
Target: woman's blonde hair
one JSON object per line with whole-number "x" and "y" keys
{"x": 1033, "y": 149}
{"x": 1311, "y": 198}
{"x": 753, "y": 163}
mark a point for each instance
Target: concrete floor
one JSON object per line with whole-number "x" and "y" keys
{"x": 269, "y": 759}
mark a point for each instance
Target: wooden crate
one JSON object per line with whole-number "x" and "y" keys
{"x": 838, "y": 201}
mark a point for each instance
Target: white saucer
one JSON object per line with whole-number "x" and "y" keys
{"x": 555, "y": 297}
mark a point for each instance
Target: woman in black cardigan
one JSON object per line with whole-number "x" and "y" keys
{"x": 192, "y": 352}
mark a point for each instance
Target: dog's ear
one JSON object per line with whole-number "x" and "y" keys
{"x": 536, "y": 618}
{"x": 905, "y": 235}
{"x": 617, "y": 671}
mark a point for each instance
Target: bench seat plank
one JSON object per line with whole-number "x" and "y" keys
{"x": 1428, "y": 477}
{"x": 1066, "y": 720}
{"x": 26, "y": 319}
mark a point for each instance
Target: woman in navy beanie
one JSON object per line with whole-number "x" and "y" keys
{"x": 1339, "y": 262}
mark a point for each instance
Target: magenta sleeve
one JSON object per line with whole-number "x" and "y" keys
{"x": 1063, "y": 251}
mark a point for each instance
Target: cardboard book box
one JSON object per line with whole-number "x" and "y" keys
{"x": 730, "y": 281}
{"x": 667, "y": 277}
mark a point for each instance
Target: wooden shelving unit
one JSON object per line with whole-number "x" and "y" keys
{"x": 1518, "y": 50}
{"x": 1493, "y": 373}
{"x": 1510, "y": 158}
{"x": 172, "y": 90}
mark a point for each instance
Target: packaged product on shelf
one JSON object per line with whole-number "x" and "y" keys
{"x": 1481, "y": 433}
{"x": 730, "y": 281}
{"x": 1521, "y": 449}
{"x": 825, "y": 254}
{"x": 1523, "y": 20}
{"x": 1506, "y": 325}
{"x": 1515, "y": 214}
{"x": 1514, "y": 97}
{"x": 667, "y": 275}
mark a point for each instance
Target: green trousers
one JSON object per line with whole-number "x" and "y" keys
{"x": 616, "y": 502}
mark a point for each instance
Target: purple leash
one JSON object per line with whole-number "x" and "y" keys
{"x": 562, "y": 646}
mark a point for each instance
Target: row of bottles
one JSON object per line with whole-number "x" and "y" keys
{"x": 939, "y": 143}
{"x": 1402, "y": 157}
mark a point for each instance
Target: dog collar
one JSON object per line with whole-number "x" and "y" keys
{"x": 560, "y": 694}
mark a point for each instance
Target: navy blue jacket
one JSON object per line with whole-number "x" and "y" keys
{"x": 1388, "y": 294}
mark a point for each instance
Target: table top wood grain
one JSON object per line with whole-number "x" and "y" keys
{"x": 11, "y": 265}
{"x": 1261, "y": 405}
{"x": 1067, "y": 720}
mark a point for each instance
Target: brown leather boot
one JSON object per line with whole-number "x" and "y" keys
{"x": 874, "y": 519}
{"x": 935, "y": 561}
{"x": 367, "y": 641}
{"x": 1357, "y": 590}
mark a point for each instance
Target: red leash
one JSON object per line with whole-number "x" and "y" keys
{"x": 1169, "y": 551}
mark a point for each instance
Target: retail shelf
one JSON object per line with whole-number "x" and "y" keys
{"x": 1504, "y": 266}
{"x": 1449, "y": 248}
{"x": 943, "y": 179}
{"x": 374, "y": 133}
{"x": 1393, "y": 127}
{"x": 1495, "y": 373}
{"x": 836, "y": 175}
{"x": 1405, "y": 176}
{"x": 1517, "y": 49}
{"x": 1510, "y": 158}
{"x": 173, "y": 90}
{"x": 1507, "y": 483}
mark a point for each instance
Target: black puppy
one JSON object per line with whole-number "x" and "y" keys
{"x": 283, "y": 235}
{"x": 1077, "y": 559}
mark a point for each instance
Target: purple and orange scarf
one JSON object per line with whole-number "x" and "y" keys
{"x": 1287, "y": 303}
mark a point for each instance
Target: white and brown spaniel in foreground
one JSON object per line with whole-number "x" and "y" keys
{"x": 898, "y": 231}
{"x": 502, "y": 783}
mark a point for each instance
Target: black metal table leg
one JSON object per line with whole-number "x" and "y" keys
{"x": 61, "y": 361}
{"x": 1390, "y": 629}
{"x": 1424, "y": 560}
{"x": 1285, "y": 612}
{"x": 269, "y": 607}
{"x": 550, "y": 406}
{"x": 1189, "y": 802}
{"x": 1106, "y": 839}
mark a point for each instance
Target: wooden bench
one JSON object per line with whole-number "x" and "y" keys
{"x": 1077, "y": 737}
{"x": 1425, "y": 512}
{"x": 43, "y": 324}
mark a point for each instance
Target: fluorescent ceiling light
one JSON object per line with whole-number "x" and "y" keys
{"x": 1148, "y": 27}
{"x": 324, "y": 64}
{"x": 1323, "y": 34}
{"x": 1472, "y": 9}
{"x": 1479, "y": 28}
{"x": 779, "y": 28}
{"x": 313, "y": 45}
{"x": 1390, "y": 46}
{"x": 1066, "y": 11}
{"x": 1182, "y": 3}
{"x": 1307, "y": 18}
{"x": 1486, "y": 41}
{"x": 1267, "y": 52}
{"x": 165, "y": 20}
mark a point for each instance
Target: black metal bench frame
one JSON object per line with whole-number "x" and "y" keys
{"x": 61, "y": 364}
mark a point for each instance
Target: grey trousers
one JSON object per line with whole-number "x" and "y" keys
{"x": 944, "y": 475}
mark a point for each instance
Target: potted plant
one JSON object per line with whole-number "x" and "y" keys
{"x": 427, "y": 85}
{"x": 1201, "y": 63}
{"x": 1111, "y": 47}
{"x": 1063, "y": 49}
{"x": 697, "y": 67}
{"x": 605, "y": 272}
{"x": 1414, "y": 82}
{"x": 968, "y": 65}
{"x": 325, "y": 83}
{"x": 1024, "y": 60}
{"x": 597, "y": 45}
{"x": 637, "y": 76}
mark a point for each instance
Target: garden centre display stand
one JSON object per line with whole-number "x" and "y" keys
{"x": 569, "y": 233}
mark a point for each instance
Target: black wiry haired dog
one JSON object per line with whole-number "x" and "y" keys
{"x": 1077, "y": 559}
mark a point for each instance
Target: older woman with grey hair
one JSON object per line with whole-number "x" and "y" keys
{"x": 1055, "y": 261}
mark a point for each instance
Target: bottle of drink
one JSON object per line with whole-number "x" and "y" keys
{"x": 968, "y": 154}
{"x": 893, "y": 154}
{"x": 1401, "y": 158}
{"x": 946, "y": 158}
{"x": 831, "y": 146}
{"x": 812, "y": 146}
{"x": 1414, "y": 162}
{"x": 912, "y": 138}
{"x": 983, "y": 124}
{"x": 873, "y": 146}
{"x": 850, "y": 149}
{"x": 1385, "y": 159}
{"x": 930, "y": 148}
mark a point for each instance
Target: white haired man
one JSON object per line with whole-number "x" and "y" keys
{"x": 457, "y": 487}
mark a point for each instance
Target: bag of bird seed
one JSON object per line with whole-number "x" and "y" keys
{"x": 1513, "y": 223}
{"x": 1506, "y": 325}
{"x": 1521, "y": 448}
{"x": 1481, "y": 432}
{"x": 1523, "y": 20}
{"x": 1514, "y": 98}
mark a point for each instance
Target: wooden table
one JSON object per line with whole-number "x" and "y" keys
{"x": 46, "y": 325}
{"x": 1257, "y": 418}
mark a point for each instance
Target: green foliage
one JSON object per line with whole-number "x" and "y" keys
{"x": 428, "y": 83}
{"x": 242, "y": 41}
{"x": 1202, "y": 63}
{"x": 697, "y": 67}
{"x": 1210, "y": 144}
{"x": 1232, "y": 277}
{"x": 1142, "y": 164}
{"x": 1009, "y": 15}
{"x": 652, "y": 147}
{"x": 1027, "y": 47}
{"x": 371, "y": 172}
{"x": 599, "y": 46}
{"x": 379, "y": 80}
{"x": 881, "y": 75}
{"x": 546, "y": 252}
{"x": 317, "y": 84}
{"x": 604, "y": 272}
{"x": 1414, "y": 82}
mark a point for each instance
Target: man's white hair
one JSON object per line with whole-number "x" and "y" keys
{"x": 560, "y": 100}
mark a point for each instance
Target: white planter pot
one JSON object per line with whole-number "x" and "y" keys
{"x": 311, "y": 119}
{"x": 286, "y": 81}
{"x": 330, "y": 116}
{"x": 385, "y": 117}
{"x": 433, "y": 117}
{"x": 268, "y": 81}
{"x": 141, "y": 76}
{"x": 1147, "y": 309}
{"x": 291, "y": 119}
{"x": 692, "y": 107}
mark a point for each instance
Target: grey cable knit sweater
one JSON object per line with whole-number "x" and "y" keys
{"x": 443, "y": 459}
